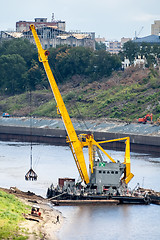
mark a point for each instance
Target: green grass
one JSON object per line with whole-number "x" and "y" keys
{"x": 47, "y": 110}
{"x": 11, "y": 210}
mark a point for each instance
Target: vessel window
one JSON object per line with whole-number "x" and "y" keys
{"x": 112, "y": 172}
{"x": 104, "y": 171}
{"x": 108, "y": 172}
{"x": 116, "y": 172}
{"x": 100, "y": 171}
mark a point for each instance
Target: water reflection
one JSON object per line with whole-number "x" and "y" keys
{"x": 110, "y": 222}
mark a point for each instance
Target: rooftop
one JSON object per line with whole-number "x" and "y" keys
{"x": 148, "y": 39}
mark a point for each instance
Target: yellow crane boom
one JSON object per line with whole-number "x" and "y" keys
{"x": 75, "y": 144}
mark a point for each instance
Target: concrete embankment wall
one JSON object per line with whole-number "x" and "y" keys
{"x": 139, "y": 143}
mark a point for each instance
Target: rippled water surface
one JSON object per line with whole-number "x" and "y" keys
{"x": 85, "y": 222}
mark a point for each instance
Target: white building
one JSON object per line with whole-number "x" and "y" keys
{"x": 126, "y": 63}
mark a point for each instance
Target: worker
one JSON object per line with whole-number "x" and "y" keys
{"x": 57, "y": 219}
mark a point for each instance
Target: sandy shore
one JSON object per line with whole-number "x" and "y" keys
{"x": 47, "y": 226}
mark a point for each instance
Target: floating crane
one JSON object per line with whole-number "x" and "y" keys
{"x": 103, "y": 175}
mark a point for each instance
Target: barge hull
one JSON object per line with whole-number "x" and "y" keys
{"x": 84, "y": 202}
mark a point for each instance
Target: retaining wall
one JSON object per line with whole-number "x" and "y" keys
{"x": 139, "y": 143}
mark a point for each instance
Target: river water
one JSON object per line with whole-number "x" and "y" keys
{"x": 85, "y": 222}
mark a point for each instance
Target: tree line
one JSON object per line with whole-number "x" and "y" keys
{"x": 20, "y": 69}
{"x": 132, "y": 50}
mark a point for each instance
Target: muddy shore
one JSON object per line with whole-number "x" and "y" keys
{"x": 47, "y": 226}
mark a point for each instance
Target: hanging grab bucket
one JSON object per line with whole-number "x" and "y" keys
{"x": 31, "y": 175}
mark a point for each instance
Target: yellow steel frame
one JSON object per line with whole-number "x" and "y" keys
{"x": 89, "y": 141}
{"x": 128, "y": 175}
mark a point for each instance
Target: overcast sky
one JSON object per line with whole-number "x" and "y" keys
{"x": 111, "y": 19}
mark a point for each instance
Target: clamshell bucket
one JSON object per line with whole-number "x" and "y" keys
{"x": 31, "y": 175}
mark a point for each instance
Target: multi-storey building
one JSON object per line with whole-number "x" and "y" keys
{"x": 124, "y": 40}
{"x": 23, "y": 26}
{"x": 52, "y": 37}
{"x": 100, "y": 40}
{"x": 155, "y": 28}
{"x": 113, "y": 47}
{"x": 51, "y": 34}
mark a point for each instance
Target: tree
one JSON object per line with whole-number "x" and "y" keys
{"x": 12, "y": 69}
{"x": 150, "y": 51}
{"x": 73, "y": 61}
{"x": 21, "y": 47}
{"x": 103, "y": 63}
{"x": 100, "y": 46}
{"x": 36, "y": 77}
{"x": 83, "y": 61}
{"x": 130, "y": 50}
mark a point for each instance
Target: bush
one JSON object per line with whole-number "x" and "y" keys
{"x": 157, "y": 109}
{"x": 69, "y": 97}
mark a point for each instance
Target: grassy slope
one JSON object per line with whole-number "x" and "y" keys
{"x": 11, "y": 210}
{"x": 125, "y": 95}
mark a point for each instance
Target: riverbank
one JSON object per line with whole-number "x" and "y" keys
{"x": 47, "y": 226}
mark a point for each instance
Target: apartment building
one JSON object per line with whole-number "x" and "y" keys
{"x": 155, "y": 28}
{"x": 51, "y": 34}
{"x": 52, "y": 37}
{"x": 23, "y": 26}
{"x": 114, "y": 47}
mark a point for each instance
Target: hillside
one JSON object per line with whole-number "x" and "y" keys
{"x": 124, "y": 95}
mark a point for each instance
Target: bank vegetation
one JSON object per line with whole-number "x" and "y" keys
{"x": 91, "y": 82}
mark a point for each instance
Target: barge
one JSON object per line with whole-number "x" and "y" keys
{"x": 69, "y": 193}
